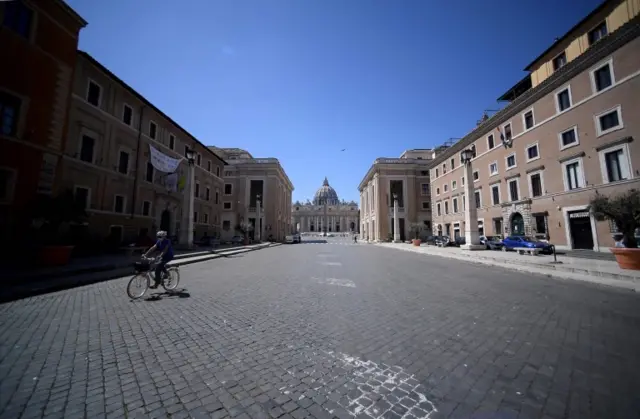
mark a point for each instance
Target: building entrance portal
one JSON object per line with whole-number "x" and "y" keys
{"x": 517, "y": 224}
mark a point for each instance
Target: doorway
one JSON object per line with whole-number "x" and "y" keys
{"x": 353, "y": 226}
{"x": 165, "y": 221}
{"x": 517, "y": 224}
{"x": 580, "y": 230}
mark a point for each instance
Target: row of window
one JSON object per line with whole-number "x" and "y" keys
{"x": 593, "y": 36}
{"x": 608, "y": 121}
{"x": 602, "y": 77}
{"x": 539, "y": 226}
{"x": 83, "y": 197}
{"x": 614, "y": 161}
{"x": 94, "y": 97}
{"x": 87, "y": 154}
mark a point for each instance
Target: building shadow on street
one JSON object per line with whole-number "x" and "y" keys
{"x": 312, "y": 241}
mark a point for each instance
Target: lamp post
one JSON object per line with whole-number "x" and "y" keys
{"x": 186, "y": 231}
{"x": 396, "y": 221}
{"x": 471, "y": 236}
{"x": 258, "y": 218}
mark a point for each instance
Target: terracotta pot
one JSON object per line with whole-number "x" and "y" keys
{"x": 627, "y": 258}
{"x": 55, "y": 255}
{"x": 416, "y": 242}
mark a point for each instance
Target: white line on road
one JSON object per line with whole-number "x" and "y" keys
{"x": 331, "y": 263}
{"x": 336, "y": 281}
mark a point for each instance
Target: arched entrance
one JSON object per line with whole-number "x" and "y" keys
{"x": 516, "y": 224}
{"x": 165, "y": 221}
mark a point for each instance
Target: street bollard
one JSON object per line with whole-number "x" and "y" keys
{"x": 555, "y": 259}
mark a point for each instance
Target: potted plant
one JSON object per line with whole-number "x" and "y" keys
{"x": 51, "y": 217}
{"x": 417, "y": 228}
{"x": 624, "y": 211}
{"x": 245, "y": 228}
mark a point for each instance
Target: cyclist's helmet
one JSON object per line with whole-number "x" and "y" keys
{"x": 160, "y": 234}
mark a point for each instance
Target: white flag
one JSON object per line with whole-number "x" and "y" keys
{"x": 161, "y": 162}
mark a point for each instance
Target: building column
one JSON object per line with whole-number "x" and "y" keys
{"x": 472, "y": 238}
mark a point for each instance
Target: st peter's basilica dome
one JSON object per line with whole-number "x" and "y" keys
{"x": 326, "y": 194}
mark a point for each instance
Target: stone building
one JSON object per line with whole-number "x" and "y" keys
{"x": 38, "y": 40}
{"x": 247, "y": 181}
{"x": 326, "y": 213}
{"x": 569, "y": 131}
{"x": 407, "y": 178}
{"x": 106, "y": 161}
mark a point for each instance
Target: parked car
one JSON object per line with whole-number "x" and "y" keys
{"x": 491, "y": 242}
{"x": 289, "y": 239}
{"x": 443, "y": 241}
{"x": 513, "y": 242}
{"x": 459, "y": 241}
{"x": 297, "y": 238}
{"x": 237, "y": 240}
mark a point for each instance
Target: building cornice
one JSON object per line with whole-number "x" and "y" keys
{"x": 625, "y": 34}
{"x": 411, "y": 164}
{"x": 100, "y": 67}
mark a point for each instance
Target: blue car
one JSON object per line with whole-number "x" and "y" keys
{"x": 514, "y": 242}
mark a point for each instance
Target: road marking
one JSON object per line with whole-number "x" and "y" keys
{"x": 326, "y": 255}
{"x": 331, "y": 263}
{"x": 376, "y": 389}
{"x": 336, "y": 281}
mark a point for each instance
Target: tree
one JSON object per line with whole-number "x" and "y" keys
{"x": 417, "y": 228}
{"x": 244, "y": 228}
{"x": 623, "y": 209}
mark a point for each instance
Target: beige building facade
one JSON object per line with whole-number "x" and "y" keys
{"x": 408, "y": 178}
{"x": 107, "y": 164}
{"x": 247, "y": 181}
{"x": 326, "y": 213}
{"x": 565, "y": 135}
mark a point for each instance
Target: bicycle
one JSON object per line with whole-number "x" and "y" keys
{"x": 143, "y": 277}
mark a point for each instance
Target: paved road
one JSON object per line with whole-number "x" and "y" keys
{"x": 326, "y": 330}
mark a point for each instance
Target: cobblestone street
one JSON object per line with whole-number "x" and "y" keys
{"x": 326, "y": 330}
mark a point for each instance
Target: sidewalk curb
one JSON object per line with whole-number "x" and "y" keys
{"x": 99, "y": 275}
{"x": 631, "y": 283}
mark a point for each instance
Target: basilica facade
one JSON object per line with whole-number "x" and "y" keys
{"x": 326, "y": 213}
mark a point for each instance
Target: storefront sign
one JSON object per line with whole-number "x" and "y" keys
{"x": 584, "y": 214}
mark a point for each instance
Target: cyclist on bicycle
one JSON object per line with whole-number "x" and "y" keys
{"x": 166, "y": 254}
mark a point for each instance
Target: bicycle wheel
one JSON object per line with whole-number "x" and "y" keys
{"x": 138, "y": 286}
{"x": 171, "y": 281}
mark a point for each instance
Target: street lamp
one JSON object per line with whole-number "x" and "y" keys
{"x": 471, "y": 236}
{"x": 186, "y": 239}
{"x": 396, "y": 221}
{"x": 258, "y": 218}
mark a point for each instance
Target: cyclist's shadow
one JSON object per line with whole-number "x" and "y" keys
{"x": 177, "y": 293}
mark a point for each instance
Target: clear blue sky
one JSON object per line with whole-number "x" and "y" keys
{"x": 302, "y": 79}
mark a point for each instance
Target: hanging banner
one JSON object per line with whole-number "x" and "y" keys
{"x": 171, "y": 182}
{"x": 182, "y": 182}
{"x": 161, "y": 162}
